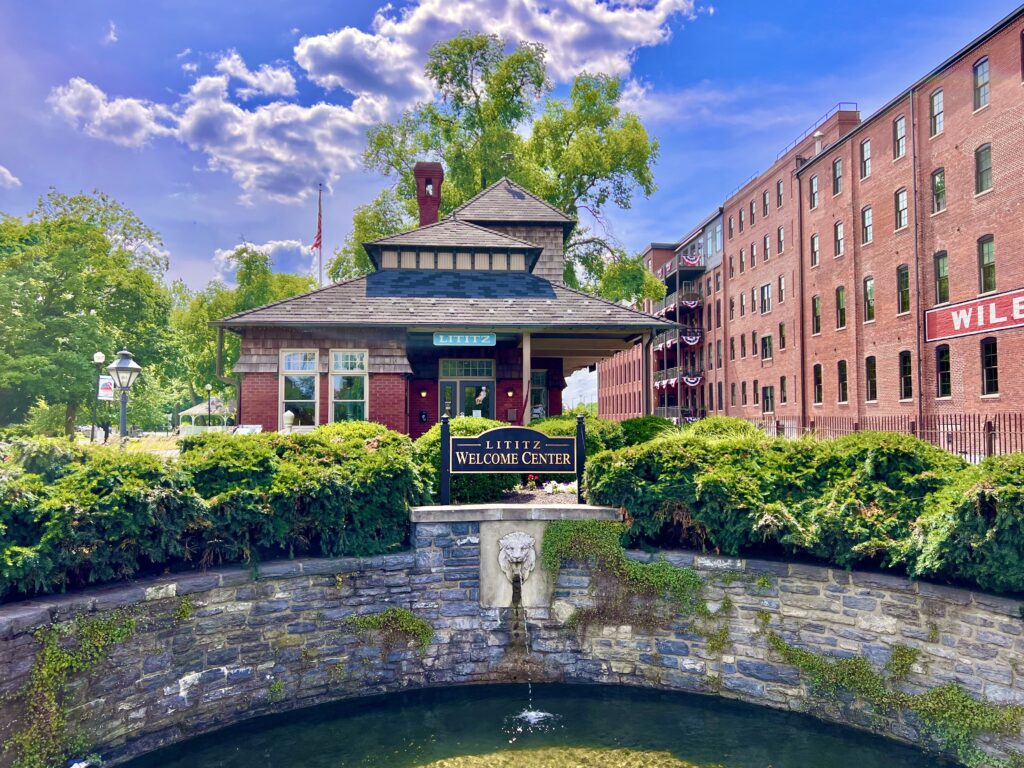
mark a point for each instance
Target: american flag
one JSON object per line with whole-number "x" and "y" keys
{"x": 318, "y": 240}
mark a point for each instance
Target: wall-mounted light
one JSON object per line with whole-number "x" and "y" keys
{"x": 423, "y": 393}
{"x": 511, "y": 393}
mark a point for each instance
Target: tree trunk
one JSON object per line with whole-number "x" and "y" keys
{"x": 70, "y": 417}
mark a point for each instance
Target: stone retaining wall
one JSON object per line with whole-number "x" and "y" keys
{"x": 218, "y": 647}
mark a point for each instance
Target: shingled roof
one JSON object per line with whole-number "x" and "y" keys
{"x": 506, "y": 201}
{"x": 452, "y": 235}
{"x": 404, "y": 297}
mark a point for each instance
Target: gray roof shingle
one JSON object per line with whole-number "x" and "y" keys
{"x": 454, "y": 234}
{"x": 507, "y": 201}
{"x": 403, "y": 297}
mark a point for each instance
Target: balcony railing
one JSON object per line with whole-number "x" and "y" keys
{"x": 669, "y": 374}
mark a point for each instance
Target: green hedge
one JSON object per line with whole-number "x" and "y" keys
{"x": 645, "y": 428}
{"x": 601, "y": 435}
{"x": 70, "y": 517}
{"x": 466, "y": 489}
{"x": 869, "y": 499}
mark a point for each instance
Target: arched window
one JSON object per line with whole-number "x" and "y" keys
{"x": 983, "y": 169}
{"x": 989, "y": 367}
{"x": 867, "y": 226}
{"x": 841, "y": 381}
{"x": 941, "y": 277}
{"x": 819, "y": 394}
{"x": 841, "y": 307}
{"x": 869, "y": 299}
{"x": 938, "y": 190}
{"x": 981, "y": 84}
{"x": 943, "y": 375}
{"x": 902, "y": 208}
{"x": 986, "y": 264}
{"x": 936, "y": 113}
{"x": 870, "y": 379}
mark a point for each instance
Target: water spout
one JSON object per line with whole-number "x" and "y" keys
{"x": 518, "y": 640}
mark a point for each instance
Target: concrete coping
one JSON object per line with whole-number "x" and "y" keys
{"x": 473, "y": 513}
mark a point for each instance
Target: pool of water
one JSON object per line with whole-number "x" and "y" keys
{"x": 552, "y": 726}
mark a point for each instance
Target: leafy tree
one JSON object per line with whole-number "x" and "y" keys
{"x": 582, "y": 154}
{"x": 195, "y": 341}
{"x": 69, "y": 294}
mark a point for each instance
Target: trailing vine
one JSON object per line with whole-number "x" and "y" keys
{"x": 66, "y": 650}
{"x": 954, "y": 717}
{"x": 394, "y": 627}
{"x": 627, "y": 592}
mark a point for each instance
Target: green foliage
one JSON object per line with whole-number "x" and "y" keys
{"x": 46, "y": 739}
{"x": 601, "y": 434}
{"x": 384, "y": 216}
{"x": 491, "y": 120}
{"x": 631, "y": 589}
{"x": 395, "y": 626}
{"x": 185, "y": 609}
{"x": 645, "y": 428}
{"x": 974, "y": 528}
{"x": 45, "y": 420}
{"x": 466, "y": 489}
{"x": 723, "y": 427}
{"x": 871, "y": 498}
{"x": 101, "y": 515}
{"x": 951, "y": 714}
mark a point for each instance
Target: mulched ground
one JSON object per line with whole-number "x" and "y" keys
{"x": 539, "y": 496}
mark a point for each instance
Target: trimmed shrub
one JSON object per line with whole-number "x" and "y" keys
{"x": 601, "y": 434}
{"x": 645, "y": 428}
{"x": 862, "y": 496}
{"x": 466, "y": 489}
{"x": 681, "y": 490}
{"x": 114, "y": 515}
{"x": 48, "y": 457}
{"x": 974, "y": 527}
{"x": 110, "y": 515}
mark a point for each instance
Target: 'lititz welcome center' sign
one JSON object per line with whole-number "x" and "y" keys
{"x": 990, "y": 313}
{"x": 511, "y": 450}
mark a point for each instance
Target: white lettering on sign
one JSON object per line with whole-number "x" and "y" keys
{"x": 990, "y": 313}
{"x": 464, "y": 339}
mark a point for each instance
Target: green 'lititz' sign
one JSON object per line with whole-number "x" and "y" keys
{"x": 465, "y": 339}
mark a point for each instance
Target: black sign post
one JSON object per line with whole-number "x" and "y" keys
{"x": 512, "y": 450}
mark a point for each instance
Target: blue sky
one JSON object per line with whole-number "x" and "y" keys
{"x": 215, "y": 121}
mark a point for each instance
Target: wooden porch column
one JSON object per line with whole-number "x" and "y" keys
{"x": 646, "y": 379}
{"x": 527, "y": 410}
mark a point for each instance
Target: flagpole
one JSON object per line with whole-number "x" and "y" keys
{"x": 319, "y": 232}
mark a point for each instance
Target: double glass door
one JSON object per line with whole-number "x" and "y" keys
{"x": 468, "y": 398}
{"x": 467, "y": 387}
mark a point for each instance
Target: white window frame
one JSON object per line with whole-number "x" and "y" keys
{"x": 341, "y": 371}
{"x": 283, "y": 372}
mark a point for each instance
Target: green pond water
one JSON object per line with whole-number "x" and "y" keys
{"x": 561, "y": 726}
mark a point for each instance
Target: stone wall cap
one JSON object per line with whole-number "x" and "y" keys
{"x": 472, "y": 513}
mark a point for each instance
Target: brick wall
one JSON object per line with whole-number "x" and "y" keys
{"x": 388, "y": 401}
{"x": 258, "y": 403}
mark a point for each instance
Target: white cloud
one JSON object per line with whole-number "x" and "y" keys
{"x": 8, "y": 180}
{"x": 266, "y": 81}
{"x": 282, "y": 149}
{"x": 129, "y": 122}
{"x": 285, "y": 255}
{"x": 592, "y": 35}
{"x": 111, "y": 37}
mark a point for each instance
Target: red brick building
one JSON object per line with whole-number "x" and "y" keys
{"x": 871, "y": 273}
{"x": 462, "y": 316}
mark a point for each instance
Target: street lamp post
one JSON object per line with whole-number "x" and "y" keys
{"x": 209, "y": 405}
{"x": 124, "y": 371}
{"x": 98, "y": 360}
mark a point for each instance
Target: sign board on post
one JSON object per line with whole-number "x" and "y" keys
{"x": 105, "y": 391}
{"x": 512, "y": 450}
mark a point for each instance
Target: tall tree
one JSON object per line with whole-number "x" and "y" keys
{"x": 70, "y": 294}
{"x": 195, "y": 341}
{"x": 582, "y": 154}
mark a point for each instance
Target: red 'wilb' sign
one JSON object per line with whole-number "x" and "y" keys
{"x": 990, "y": 313}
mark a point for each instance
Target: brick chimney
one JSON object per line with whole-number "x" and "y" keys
{"x": 429, "y": 177}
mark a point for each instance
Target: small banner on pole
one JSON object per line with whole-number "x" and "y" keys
{"x": 105, "y": 391}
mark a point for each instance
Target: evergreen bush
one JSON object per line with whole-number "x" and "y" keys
{"x": 645, "y": 428}
{"x": 601, "y": 434}
{"x": 466, "y": 489}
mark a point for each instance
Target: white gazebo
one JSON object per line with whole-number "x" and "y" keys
{"x": 207, "y": 417}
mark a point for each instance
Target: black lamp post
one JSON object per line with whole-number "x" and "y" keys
{"x": 209, "y": 404}
{"x": 124, "y": 371}
{"x": 98, "y": 360}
